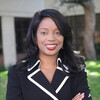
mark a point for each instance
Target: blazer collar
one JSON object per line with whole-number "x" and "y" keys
{"x": 59, "y": 63}
{"x": 39, "y": 79}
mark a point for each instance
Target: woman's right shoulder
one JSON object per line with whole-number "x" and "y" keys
{"x": 15, "y": 71}
{"x": 12, "y": 69}
{"x": 20, "y": 66}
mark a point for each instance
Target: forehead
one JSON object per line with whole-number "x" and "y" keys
{"x": 47, "y": 23}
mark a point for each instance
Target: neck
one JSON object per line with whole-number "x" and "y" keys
{"x": 48, "y": 61}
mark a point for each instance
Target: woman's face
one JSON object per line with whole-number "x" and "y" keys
{"x": 48, "y": 38}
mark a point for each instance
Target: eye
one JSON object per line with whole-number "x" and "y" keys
{"x": 44, "y": 33}
{"x": 58, "y": 33}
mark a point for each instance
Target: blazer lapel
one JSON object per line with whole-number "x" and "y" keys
{"x": 38, "y": 79}
{"x": 59, "y": 79}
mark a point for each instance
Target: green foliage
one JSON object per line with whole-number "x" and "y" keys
{"x": 93, "y": 69}
{"x": 3, "y": 83}
{"x": 93, "y": 72}
{"x": 2, "y": 68}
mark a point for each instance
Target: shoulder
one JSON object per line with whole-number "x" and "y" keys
{"x": 13, "y": 68}
{"x": 79, "y": 77}
{"x": 15, "y": 71}
{"x": 12, "y": 72}
{"x": 80, "y": 73}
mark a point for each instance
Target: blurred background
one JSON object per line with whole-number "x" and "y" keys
{"x": 82, "y": 15}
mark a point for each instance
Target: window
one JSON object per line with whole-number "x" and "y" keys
{"x": 77, "y": 25}
{"x": 21, "y": 28}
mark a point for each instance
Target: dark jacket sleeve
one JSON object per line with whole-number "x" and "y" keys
{"x": 82, "y": 85}
{"x": 13, "y": 86}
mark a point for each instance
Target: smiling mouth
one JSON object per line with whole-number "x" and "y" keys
{"x": 51, "y": 46}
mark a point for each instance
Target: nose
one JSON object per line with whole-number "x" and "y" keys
{"x": 51, "y": 37}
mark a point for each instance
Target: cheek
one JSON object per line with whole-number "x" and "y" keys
{"x": 38, "y": 39}
{"x": 61, "y": 40}
{"x": 39, "y": 42}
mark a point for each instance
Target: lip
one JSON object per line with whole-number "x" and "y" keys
{"x": 51, "y": 46}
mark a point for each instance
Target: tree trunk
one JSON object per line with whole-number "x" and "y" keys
{"x": 89, "y": 30}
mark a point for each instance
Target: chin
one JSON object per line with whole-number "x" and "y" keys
{"x": 51, "y": 54}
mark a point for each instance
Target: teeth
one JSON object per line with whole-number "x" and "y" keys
{"x": 51, "y": 46}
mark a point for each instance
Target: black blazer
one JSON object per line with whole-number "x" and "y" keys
{"x": 33, "y": 85}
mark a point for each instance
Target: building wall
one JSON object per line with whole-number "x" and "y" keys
{"x": 11, "y": 9}
{"x": 26, "y": 8}
{"x": 20, "y": 8}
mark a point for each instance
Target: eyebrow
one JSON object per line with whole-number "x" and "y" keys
{"x": 47, "y": 28}
{"x": 43, "y": 28}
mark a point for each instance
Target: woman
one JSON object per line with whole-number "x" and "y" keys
{"x": 50, "y": 70}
